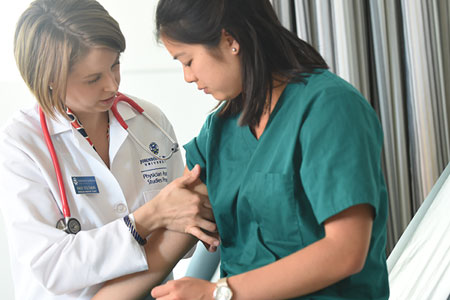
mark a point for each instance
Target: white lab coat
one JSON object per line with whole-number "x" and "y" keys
{"x": 46, "y": 262}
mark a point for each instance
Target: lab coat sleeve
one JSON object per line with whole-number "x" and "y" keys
{"x": 61, "y": 262}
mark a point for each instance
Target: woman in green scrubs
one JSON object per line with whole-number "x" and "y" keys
{"x": 291, "y": 159}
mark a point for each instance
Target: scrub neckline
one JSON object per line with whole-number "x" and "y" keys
{"x": 247, "y": 133}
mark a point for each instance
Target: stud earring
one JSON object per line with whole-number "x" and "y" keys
{"x": 234, "y": 49}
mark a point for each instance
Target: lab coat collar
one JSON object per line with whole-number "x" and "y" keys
{"x": 61, "y": 124}
{"x": 58, "y": 125}
{"x": 116, "y": 132}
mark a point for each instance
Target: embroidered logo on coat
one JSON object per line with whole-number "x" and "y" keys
{"x": 154, "y": 148}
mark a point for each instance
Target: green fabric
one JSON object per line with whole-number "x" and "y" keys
{"x": 319, "y": 155}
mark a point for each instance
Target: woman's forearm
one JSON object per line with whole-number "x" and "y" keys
{"x": 163, "y": 250}
{"x": 301, "y": 273}
{"x": 341, "y": 253}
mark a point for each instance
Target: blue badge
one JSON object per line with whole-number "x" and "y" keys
{"x": 85, "y": 185}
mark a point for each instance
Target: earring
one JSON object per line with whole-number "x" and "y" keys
{"x": 50, "y": 87}
{"x": 234, "y": 49}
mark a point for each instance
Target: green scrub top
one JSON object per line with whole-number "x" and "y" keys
{"x": 319, "y": 154}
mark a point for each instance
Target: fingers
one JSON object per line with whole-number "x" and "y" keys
{"x": 206, "y": 203}
{"x": 191, "y": 176}
{"x": 207, "y": 214}
{"x": 209, "y": 247}
{"x": 206, "y": 224}
{"x": 186, "y": 206}
{"x": 203, "y": 236}
{"x": 160, "y": 291}
{"x": 199, "y": 187}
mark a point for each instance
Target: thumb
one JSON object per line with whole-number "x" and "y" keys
{"x": 191, "y": 176}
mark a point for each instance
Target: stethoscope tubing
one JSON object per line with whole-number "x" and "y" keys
{"x": 120, "y": 97}
{"x": 51, "y": 148}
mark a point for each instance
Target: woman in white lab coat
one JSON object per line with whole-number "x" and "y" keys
{"x": 68, "y": 54}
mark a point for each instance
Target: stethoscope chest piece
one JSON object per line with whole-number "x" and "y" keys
{"x": 71, "y": 226}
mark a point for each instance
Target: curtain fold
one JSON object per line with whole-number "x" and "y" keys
{"x": 396, "y": 52}
{"x": 389, "y": 94}
{"x": 422, "y": 98}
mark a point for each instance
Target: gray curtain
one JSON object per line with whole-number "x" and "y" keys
{"x": 396, "y": 52}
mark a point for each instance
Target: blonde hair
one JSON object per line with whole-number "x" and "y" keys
{"x": 51, "y": 36}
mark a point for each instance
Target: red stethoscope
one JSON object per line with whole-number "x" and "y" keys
{"x": 72, "y": 225}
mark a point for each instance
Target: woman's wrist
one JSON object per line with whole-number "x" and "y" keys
{"x": 147, "y": 220}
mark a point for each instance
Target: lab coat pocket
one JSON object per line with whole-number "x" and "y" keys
{"x": 276, "y": 211}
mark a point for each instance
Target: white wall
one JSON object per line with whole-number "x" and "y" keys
{"x": 148, "y": 72}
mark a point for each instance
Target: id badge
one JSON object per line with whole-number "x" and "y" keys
{"x": 85, "y": 184}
